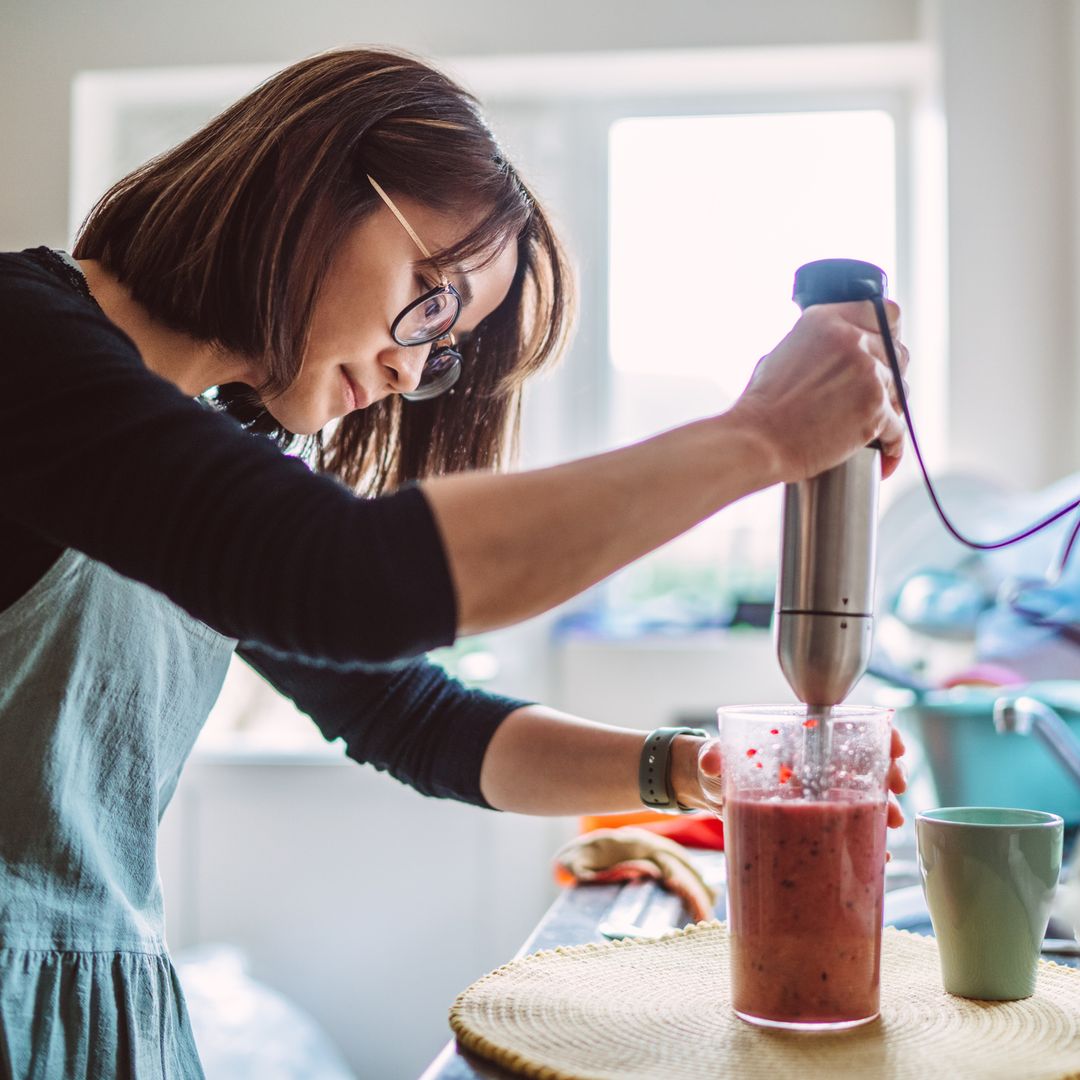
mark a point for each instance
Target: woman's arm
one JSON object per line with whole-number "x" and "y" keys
{"x": 519, "y": 544}
{"x": 450, "y": 741}
{"x": 105, "y": 457}
{"x": 540, "y": 761}
{"x": 409, "y": 719}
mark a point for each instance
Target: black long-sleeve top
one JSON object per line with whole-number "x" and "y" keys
{"x": 332, "y": 597}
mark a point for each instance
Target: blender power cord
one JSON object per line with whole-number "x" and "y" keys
{"x": 977, "y": 545}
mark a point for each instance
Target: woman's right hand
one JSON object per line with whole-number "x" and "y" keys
{"x": 825, "y": 391}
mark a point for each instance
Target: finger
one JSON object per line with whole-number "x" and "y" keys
{"x": 859, "y": 313}
{"x": 892, "y": 317}
{"x": 896, "y": 745}
{"x": 892, "y": 313}
{"x": 875, "y": 345}
{"x": 883, "y": 370}
{"x": 894, "y": 816}
{"x": 894, "y": 397}
{"x": 891, "y": 436}
{"x": 710, "y": 761}
{"x": 903, "y": 358}
{"x": 710, "y": 767}
{"x": 872, "y": 343}
{"x": 897, "y": 778}
{"x": 863, "y": 314}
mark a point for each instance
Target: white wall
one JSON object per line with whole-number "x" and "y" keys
{"x": 1008, "y": 71}
{"x": 43, "y": 44}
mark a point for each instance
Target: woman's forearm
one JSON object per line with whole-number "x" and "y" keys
{"x": 519, "y": 544}
{"x": 541, "y": 761}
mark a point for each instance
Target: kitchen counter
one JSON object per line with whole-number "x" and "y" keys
{"x": 575, "y": 917}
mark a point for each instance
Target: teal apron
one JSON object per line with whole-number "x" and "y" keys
{"x": 104, "y": 685}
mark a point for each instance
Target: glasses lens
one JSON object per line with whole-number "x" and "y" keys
{"x": 428, "y": 319}
{"x": 442, "y": 370}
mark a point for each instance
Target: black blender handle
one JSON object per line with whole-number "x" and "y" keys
{"x": 836, "y": 281}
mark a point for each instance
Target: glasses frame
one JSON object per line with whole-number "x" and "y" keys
{"x": 444, "y": 288}
{"x": 437, "y": 384}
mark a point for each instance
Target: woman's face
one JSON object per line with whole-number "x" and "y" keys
{"x": 352, "y": 361}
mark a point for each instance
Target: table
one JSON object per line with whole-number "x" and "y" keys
{"x": 575, "y": 917}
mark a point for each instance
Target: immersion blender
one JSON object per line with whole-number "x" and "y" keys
{"x": 825, "y": 592}
{"x": 824, "y": 600}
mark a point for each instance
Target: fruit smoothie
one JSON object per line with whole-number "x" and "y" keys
{"x": 806, "y": 887}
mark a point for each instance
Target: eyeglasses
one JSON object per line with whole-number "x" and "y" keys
{"x": 428, "y": 320}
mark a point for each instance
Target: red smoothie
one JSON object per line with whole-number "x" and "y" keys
{"x": 806, "y": 886}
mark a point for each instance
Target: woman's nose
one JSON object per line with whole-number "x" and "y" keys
{"x": 404, "y": 366}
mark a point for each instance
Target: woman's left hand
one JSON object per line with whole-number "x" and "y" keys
{"x": 705, "y": 790}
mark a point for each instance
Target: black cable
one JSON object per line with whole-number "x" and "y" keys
{"x": 978, "y": 545}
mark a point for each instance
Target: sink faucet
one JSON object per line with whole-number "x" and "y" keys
{"x": 1025, "y": 715}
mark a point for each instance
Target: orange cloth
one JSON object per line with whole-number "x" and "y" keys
{"x": 690, "y": 830}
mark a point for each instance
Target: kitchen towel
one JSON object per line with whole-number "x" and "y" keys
{"x": 632, "y": 854}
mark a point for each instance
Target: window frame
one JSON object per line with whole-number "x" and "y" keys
{"x": 590, "y": 401}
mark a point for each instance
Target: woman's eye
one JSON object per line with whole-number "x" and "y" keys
{"x": 432, "y": 308}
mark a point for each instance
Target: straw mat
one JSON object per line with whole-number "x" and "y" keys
{"x": 661, "y": 1010}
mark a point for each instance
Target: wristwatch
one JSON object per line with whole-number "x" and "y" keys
{"x": 654, "y": 769}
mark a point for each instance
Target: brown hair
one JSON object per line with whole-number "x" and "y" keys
{"x": 227, "y": 237}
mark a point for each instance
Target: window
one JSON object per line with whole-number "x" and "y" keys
{"x": 709, "y": 218}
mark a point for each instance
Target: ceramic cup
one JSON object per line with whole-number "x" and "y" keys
{"x": 989, "y": 876}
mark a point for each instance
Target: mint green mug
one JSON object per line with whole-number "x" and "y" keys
{"x": 989, "y": 876}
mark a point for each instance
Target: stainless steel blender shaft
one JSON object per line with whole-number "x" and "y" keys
{"x": 825, "y": 596}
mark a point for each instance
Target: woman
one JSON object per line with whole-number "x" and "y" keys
{"x": 342, "y": 264}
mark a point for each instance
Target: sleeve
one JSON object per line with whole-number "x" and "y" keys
{"x": 104, "y": 456}
{"x": 409, "y": 719}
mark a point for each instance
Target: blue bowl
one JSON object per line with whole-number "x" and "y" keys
{"x": 972, "y": 765}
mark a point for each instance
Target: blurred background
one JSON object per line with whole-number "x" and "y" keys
{"x": 696, "y": 152}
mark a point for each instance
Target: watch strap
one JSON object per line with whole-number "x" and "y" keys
{"x": 654, "y": 768}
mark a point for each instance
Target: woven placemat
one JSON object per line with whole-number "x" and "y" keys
{"x": 661, "y": 1010}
